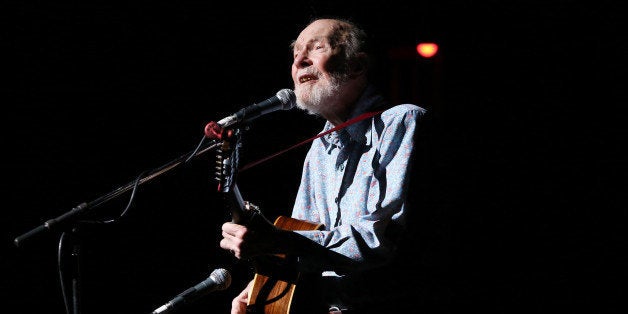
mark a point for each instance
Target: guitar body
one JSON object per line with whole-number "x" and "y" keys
{"x": 275, "y": 282}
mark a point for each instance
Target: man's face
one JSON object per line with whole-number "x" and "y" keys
{"x": 315, "y": 68}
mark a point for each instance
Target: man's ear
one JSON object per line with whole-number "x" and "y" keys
{"x": 359, "y": 65}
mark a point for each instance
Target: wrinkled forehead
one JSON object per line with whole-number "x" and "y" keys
{"x": 317, "y": 31}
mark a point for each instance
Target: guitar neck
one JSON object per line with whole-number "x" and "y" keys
{"x": 236, "y": 203}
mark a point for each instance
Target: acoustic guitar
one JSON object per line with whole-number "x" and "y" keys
{"x": 276, "y": 277}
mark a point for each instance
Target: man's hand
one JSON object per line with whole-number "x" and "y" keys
{"x": 233, "y": 238}
{"x": 244, "y": 242}
{"x": 238, "y": 305}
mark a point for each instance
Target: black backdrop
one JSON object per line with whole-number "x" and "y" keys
{"x": 521, "y": 192}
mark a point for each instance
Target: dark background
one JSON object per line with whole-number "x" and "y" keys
{"x": 521, "y": 183}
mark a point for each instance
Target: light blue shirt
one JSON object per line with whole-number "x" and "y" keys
{"x": 354, "y": 181}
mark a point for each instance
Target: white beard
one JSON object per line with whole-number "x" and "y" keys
{"x": 318, "y": 98}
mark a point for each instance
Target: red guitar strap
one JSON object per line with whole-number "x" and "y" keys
{"x": 336, "y": 128}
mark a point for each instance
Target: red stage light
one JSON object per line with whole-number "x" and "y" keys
{"x": 427, "y": 50}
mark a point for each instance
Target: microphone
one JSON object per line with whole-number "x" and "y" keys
{"x": 220, "y": 279}
{"x": 284, "y": 100}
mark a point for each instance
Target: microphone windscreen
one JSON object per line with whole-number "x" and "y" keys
{"x": 287, "y": 98}
{"x": 222, "y": 278}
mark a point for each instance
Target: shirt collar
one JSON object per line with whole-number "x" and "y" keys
{"x": 359, "y": 131}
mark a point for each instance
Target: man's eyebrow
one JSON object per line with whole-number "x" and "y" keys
{"x": 310, "y": 41}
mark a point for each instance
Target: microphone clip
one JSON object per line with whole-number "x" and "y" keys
{"x": 214, "y": 131}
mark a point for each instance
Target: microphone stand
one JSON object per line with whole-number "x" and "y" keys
{"x": 66, "y": 219}
{"x": 74, "y": 268}
{"x": 70, "y": 219}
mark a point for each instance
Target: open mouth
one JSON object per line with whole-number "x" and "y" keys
{"x": 306, "y": 78}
